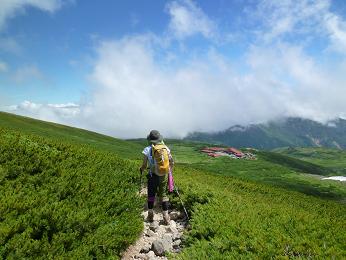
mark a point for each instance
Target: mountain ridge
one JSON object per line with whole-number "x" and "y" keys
{"x": 291, "y": 132}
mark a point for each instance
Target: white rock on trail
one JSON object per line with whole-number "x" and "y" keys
{"x": 172, "y": 224}
{"x": 150, "y": 255}
{"x": 171, "y": 230}
{"x": 167, "y": 242}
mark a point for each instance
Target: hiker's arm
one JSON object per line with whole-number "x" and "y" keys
{"x": 144, "y": 164}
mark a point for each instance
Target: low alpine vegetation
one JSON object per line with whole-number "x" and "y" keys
{"x": 66, "y": 193}
{"x": 234, "y": 219}
{"x": 62, "y": 200}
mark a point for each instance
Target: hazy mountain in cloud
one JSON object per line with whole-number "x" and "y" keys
{"x": 295, "y": 132}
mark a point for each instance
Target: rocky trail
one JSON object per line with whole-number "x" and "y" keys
{"x": 157, "y": 239}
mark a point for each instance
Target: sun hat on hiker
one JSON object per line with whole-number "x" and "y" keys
{"x": 154, "y": 137}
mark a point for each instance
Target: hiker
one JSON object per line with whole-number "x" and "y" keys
{"x": 159, "y": 160}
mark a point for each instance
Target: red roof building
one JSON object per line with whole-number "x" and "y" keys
{"x": 233, "y": 150}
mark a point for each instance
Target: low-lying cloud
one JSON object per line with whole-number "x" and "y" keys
{"x": 61, "y": 113}
{"x": 133, "y": 92}
{"x": 136, "y": 93}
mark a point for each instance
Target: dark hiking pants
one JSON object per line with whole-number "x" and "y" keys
{"x": 157, "y": 185}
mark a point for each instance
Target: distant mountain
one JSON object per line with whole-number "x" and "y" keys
{"x": 285, "y": 132}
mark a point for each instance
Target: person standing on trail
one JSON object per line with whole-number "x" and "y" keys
{"x": 158, "y": 158}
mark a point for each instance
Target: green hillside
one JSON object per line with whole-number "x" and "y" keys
{"x": 66, "y": 200}
{"x": 69, "y": 134}
{"x": 233, "y": 219}
{"x": 333, "y": 159}
{"x": 70, "y": 193}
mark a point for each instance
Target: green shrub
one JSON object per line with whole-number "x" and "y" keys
{"x": 63, "y": 200}
{"x": 235, "y": 219}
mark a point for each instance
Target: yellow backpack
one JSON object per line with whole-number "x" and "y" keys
{"x": 160, "y": 155}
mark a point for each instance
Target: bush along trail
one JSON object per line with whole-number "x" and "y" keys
{"x": 60, "y": 200}
{"x": 158, "y": 240}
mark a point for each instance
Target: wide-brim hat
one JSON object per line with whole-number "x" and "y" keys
{"x": 154, "y": 137}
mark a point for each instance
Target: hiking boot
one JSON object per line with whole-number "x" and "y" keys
{"x": 150, "y": 217}
{"x": 166, "y": 218}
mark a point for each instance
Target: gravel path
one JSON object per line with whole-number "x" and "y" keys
{"x": 158, "y": 239}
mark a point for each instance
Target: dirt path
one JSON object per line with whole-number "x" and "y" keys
{"x": 157, "y": 239}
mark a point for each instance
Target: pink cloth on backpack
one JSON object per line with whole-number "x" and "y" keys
{"x": 170, "y": 182}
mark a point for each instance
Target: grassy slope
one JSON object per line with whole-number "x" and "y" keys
{"x": 235, "y": 219}
{"x": 232, "y": 217}
{"x": 60, "y": 199}
{"x": 70, "y": 134}
{"x": 94, "y": 144}
{"x": 333, "y": 159}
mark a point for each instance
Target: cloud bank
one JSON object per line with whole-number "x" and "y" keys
{"x": 138, "y": 86}
{"x": 62, "y": 113}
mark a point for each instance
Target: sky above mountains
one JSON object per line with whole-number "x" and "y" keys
{"x": 125, "y": 67}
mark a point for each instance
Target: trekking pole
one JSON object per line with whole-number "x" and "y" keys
{"x": 177, "y": 192}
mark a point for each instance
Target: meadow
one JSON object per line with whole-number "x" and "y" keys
{"x": 71, "y": 193}
{"x": 274, "y": 169}
{"x": 334, "y": 159}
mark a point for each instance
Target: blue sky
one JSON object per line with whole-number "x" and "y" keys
{"x": 125, "y": 67}
{"x": 59, "y": 43}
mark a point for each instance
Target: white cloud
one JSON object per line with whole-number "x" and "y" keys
{"x": 305, "y": 19}
{"x": 3, "y": 67}
{"x": 9, "y": 8}
{"x": 60, "y": 113}
{"x": 188, "y": 19}
{"x": 134, "y": 92}
{"x": 337, "y": 31}
{"x": 280, "y": 18}
{"x": 306, "y": 87}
